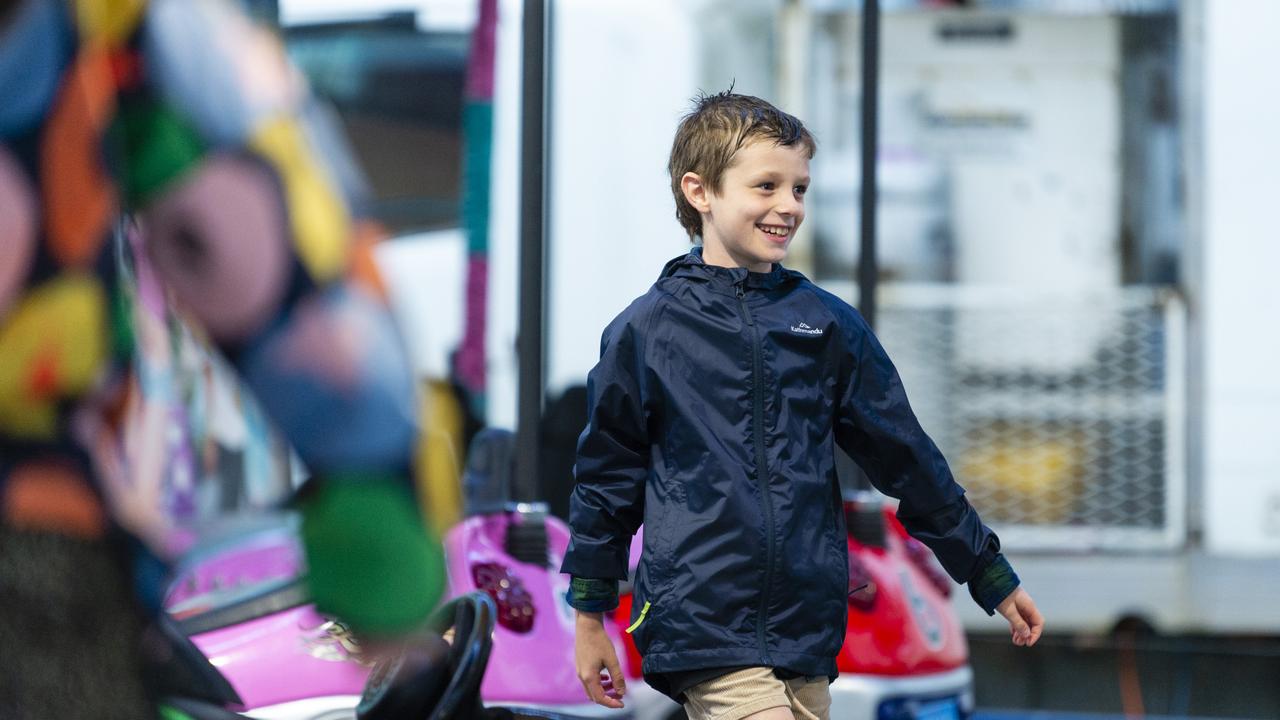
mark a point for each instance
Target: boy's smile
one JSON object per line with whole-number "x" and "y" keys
{"x": 750, "y": 222}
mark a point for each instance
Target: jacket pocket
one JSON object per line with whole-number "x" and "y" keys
{"x": 643, "y": 609}
{"x": 838, "y": 570}
{"x": 644, "y": 612}
{"x": 837, "y": 532}
{"x": 651, "y": 577}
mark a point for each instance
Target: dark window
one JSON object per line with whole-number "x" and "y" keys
{"x": 398, "y": 91}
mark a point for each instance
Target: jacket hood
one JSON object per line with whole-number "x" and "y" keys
{"x": 691, "y": 266}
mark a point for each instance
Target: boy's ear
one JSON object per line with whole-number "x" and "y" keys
{"x": 695, "y": 192}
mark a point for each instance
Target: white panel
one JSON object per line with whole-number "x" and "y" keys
{"x": 437, "y": 15}
{"x": 1241, "y": 257}
{"x": 1011, "y": 140}
{"x": 504, "y": 221}
{"x": 624, "y": 75}
{"x": 421, "y": 273}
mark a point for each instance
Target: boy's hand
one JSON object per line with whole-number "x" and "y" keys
{"x": 1024, "y": 619}
{"x": 593, "y": 652}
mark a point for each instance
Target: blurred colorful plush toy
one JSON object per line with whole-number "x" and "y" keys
{"x": 184, "y": 119}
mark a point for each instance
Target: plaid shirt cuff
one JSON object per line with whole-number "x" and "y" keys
{"x": 592, "y": 595}
{"x": 994, "y": 584}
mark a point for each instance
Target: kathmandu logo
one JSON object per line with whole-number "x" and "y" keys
{"x": 804, "y": 329}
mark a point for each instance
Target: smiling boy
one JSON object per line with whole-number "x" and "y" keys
{"x": 713, "y": 417}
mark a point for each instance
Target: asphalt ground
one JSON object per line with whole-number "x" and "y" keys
{"x": 1049, "y": 715}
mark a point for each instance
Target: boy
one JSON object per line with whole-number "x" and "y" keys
{"x": 711, "y": 419}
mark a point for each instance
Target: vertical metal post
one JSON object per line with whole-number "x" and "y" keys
{"x": 529, "y": 337}
{"x": 868, "y": 268}
{"x": 526, "y": 538}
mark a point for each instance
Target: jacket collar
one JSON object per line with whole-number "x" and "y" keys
{"x": 691, "y": 266}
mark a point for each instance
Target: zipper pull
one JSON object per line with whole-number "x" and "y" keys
{"x": 643, "y": 612}
{"x": 741, "y": 292}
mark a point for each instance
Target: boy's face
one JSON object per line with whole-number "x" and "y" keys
{"x": 753, "y": 218}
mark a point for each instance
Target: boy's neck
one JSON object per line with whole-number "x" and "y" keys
{"x": 714, "y": 253}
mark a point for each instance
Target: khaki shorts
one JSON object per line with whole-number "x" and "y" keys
{"x": 740, "y": 693}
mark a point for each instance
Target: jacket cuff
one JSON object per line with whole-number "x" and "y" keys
{"x": 991, "y": 586}
{"x": 592, "y": 594}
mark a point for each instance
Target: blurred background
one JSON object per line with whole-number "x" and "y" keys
{"x": 1074, "y": 279}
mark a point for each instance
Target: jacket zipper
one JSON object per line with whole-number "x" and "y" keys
{"x": 762, "y": 474}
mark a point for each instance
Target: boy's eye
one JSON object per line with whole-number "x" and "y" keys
{"x": 802, "y": 189}
{"x": 765, "y": 186}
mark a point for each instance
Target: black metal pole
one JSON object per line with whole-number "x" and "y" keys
{"x": 868, "y": 269}
{"x": 532, "y": 225}
{"x": 526, "y": 538}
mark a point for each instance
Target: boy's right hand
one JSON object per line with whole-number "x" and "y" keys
{"x": 593, "y": 652}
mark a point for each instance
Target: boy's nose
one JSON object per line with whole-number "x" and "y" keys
{"x": 790, "y": 208}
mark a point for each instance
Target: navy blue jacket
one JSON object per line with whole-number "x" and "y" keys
{"x": 713, "y": 417}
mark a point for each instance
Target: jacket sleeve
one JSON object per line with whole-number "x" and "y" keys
{"x": 607, "y": 505}
{"x": 877, "y": 428}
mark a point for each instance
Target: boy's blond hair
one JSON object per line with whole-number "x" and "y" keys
{"x": 709, "y": 137}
